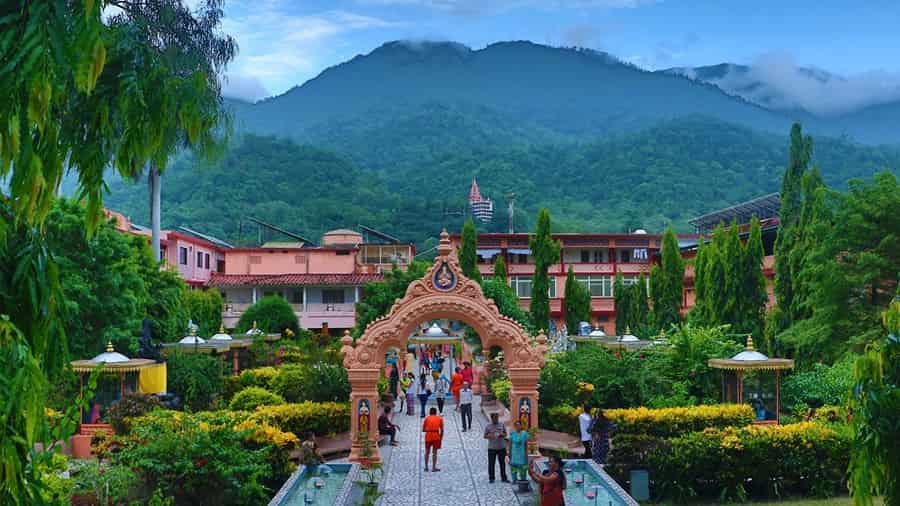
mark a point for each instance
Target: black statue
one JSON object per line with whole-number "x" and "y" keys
{"x": 147, "y": 348}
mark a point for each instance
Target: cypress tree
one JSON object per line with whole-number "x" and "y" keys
{"x": 640, "y": 312}
{"x": 577, "y": 302}
{"x": 699, "y": 313}
{"x": 789, "y": 215}
{"x": 715, "y": 291}
{"x": 755, "y": 295}
{"x": 623, "y": 306}
{"x": 732, "y": 260}
{"x": 546, "y": 253}
{"x": 500, "y": 269}
{"x": 468, "y": 259}
{"x": 667, "y": 282}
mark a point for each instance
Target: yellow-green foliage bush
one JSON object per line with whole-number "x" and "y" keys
{"x": 501, "y": 389}
{"x": 320, "y": 418}
{"x": 260, "y": 377}
{"x": 670, "y": 422}
{"x": 251, "y": 398}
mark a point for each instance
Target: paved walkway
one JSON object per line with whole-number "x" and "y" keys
{"x": 462, "y": 459}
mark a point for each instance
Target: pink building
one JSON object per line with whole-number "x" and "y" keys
{"x": 595, "y": 258}
{"x": 322, "y": 283}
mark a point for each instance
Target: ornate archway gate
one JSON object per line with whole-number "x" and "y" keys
{"x": 443, "y": 293}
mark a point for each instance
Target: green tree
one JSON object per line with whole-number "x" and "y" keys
{"x": 545, "y": 251}
{"x": 272, "y": 315}
{"x": 754, "y": 293}
{"x": 380, "y": 296}
{"x": 506, "y": 301}
{"x": 732, "y": 264}
{"x": 204, "y": 307}
{"x": 500, "y": 269}
{"x": 468, "y": 259}
{"x": 179, "y": 53}
{"x": 667, "y": 283}
{"x": 800, "y": 153}
{"x": 577, "y": 302}
{"x": 875, "y": 462}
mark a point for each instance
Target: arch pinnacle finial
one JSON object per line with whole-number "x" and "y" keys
{"x": 444, "y": 247}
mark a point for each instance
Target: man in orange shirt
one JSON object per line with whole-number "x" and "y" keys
{"x": 433, "y": 427}
{"x": 456, "y": 383}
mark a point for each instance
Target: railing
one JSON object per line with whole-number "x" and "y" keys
{"x": 237, "y": 308}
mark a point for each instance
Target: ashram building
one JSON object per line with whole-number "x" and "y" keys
{"x": 596, "y": 259}
{"x": 323, "y": 283}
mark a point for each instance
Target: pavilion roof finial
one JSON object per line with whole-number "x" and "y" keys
{"x": 750, "y": 343}
{"x": 444, "y": 247}
{"x": 109, "y": 346}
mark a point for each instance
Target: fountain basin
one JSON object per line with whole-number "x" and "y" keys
{"x": 307, "y": 487}
{"x": 589, "y": 485}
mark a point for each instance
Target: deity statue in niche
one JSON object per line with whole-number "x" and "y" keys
{"x": 525, "y": 413}
{"x": 444, "y": 278}
{"x": 364, "y": 411}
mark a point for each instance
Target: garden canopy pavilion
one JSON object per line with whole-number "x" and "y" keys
{"x": 436, "y": 336}
{"x": 749, "y": 360}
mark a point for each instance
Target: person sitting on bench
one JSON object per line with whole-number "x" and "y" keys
{"x": 386, "y": 428}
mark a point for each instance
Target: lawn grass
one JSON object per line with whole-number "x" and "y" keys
{"x": 834, "y": 501}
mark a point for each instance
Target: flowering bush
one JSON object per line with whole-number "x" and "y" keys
{"x": 670, "y": 422}
{"x": 754, "y": 461}
{"x": 317, "y": 382}
{"x": 319, "y": 418}
{"x": 251, "y": 398}
{"x": 135, "y": 404}
{"x": 199, "y": 458}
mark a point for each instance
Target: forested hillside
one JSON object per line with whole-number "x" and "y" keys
{"x": 401, "y": 172}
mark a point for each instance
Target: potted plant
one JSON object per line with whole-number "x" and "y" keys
{"x": 370, "y": 472}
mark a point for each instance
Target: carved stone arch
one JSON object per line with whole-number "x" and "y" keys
{"x": 442, "y": 293}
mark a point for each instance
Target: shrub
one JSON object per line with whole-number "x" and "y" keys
{"x": 561, "y": 418}
{"x": 250, "y": 398}
{"x": 204, "y": 307}
{"x": 107, "y": 483}
{"x": 196, "y": 459}
{"x": 755, "y": 461}
{"x": 132, "y": 405}
{"x": 272, "y": 315}
{"x": 821, "y": 385}
{"x": 259, "y": 377}
{"x": 319, "y": 418}
{"x": 319, "y": 382}
{"x": 196, "y": 377}
{"x": 501, "y": 389}
{"x": 670, "y": 422}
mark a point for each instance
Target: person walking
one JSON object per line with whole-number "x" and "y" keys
{"x": 495, "y": 433}
{"x": 584, "y": 424}
{"x": 468, "y": 374}
{"x": 386, "y": 427}
{"x": 394, "y": 380}
{"x": 409, "y": 390}
{"x": 552, "y": 482}
{"x": 423, "y": 391}
{"x": 465, "y": 406}
{"x": 518, "y": 452}
{"x": 601, "y": 428}
{"x": 441, "y": 386}
{"x": 433, "y": 427}
{"x": 456, "y": 383}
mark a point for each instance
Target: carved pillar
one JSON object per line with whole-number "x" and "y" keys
{"x": 364, "y": 394}
{"x": 523, "y": 400}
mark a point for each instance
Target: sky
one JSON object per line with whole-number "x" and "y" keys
{"x": 283, "y": 43}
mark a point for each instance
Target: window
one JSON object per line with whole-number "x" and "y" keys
{"x": 632, "y": 280}
{"x": 625, "y": 256}
{"x": 521, "y": 285}
{"x": 599, "y": 286}
{"x": 585, "y": 256}
{"x": 220, "y": 265}
{"x": 518, "y": 258}
{"x": 599, "y": 256}
{"x": 297, "y": 296}
{"x": 300, "y": 259}
{"x": 271, "y": 293}
{"x": 199, "y": 259}
{"x": 206, "y": 260}
{"x": 333, "y": 296}
{"x": 342, "y": 252}
{"x": 182, "y": 255}
{"x": 255, "y": 259}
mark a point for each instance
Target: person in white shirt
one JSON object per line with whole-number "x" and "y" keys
{"x": 584, "y": 423}
{"x": 465, "y": 406}
{"x": 441, "y": 386}
{"x": 423, "y": 391}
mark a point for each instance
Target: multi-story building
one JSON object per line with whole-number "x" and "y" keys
{"x": 595, "y": 258}
{"x": 482, "y": 207}
{"x": 323, "y": 283}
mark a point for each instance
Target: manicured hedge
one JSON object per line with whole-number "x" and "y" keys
{"x": 251, "y": 398}
{"x": 664, "y": 422}
{"x": 670, "y": 422}
{"x": 320, "y": 418}
{"x": 738, "y": 463}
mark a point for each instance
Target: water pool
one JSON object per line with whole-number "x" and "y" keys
{"x": 316, "y": 486}
{"x": 588, "y": 485}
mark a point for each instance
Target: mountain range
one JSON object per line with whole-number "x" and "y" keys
{"x": 393, "y": 138}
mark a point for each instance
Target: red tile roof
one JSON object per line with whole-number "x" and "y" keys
{"x": 218, "y": 279}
